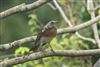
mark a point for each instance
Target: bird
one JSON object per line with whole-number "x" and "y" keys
{"x": 45, "y": 36}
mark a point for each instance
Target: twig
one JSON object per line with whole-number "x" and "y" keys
{"x": 59, "y": 31}
{"x": 98, "y": 7}
{"x": 22, "y": 7}
{"x": 17, "y": 43}
{"x": 52, "y": 6}
{"x": 69, "y": 23}
{"x": 62, "y": 13}
{"x": 86, "y": 38}
{"x": 90, "y": 8}
{"x": 38, "y": 55}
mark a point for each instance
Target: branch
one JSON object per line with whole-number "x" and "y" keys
{"x": 38, "y": 55}
{"x": 22, "y": 7}
{"x": 98, "y": 7}
{"x": 90, "y": 8}
{"x": 80, "y": 26}
{"x": 86, "y": 38}
{"x": 52, "y": 6}
{"x": 69, "y": 23}
{"x": 59, "y": 31}
{"x": 62, "y": 13}
{"x": 17, "y": 43}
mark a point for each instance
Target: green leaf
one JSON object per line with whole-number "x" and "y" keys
{"x": 21, "y": 51}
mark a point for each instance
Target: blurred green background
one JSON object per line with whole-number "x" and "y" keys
{"x": 24, "y": 24}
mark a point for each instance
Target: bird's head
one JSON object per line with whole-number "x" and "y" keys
{"x": 51, "y": 24}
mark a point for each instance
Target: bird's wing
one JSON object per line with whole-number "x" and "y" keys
{"x": 37, "y": 42}
{"x": 42, "y": 32}
{"x": 38, "y": 37}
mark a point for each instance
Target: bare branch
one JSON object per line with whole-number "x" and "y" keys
{"x": 22, "y": 7}
{"x": 17, "y": 43}
{"x": 91, "y": 10}
{"x": 52, "y": 6}
{"x": 98, "y": 7}
{"x": 80, "y": 26}
{"x": 59, "y": 31}
{"x": 62, "y": 13}
{"x": 86, "y": 38}
{"x": 38, "y": 55}
{"x": 69, "y": 23}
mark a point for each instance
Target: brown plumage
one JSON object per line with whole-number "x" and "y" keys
{"x": 45, "y": 36}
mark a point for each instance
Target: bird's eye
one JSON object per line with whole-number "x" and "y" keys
{"x": 53, "y": 22}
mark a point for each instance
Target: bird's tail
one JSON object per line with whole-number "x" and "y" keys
{"x": 35, "y": 47}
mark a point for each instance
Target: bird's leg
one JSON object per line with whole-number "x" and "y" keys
{"x": 50, "y": 47}
{"x": 41, "y": 47}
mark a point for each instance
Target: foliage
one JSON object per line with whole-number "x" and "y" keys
{"x": 31, "y": 22}
{"x": 58, "y": 43}
{"x": 21, "y": 51}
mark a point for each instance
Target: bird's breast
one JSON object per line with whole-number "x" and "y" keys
{"x": 50, "y": 33}
{"x": 46, "y": 39}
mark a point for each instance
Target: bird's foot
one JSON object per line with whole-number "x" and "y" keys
{"x": 52, "y": 50}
